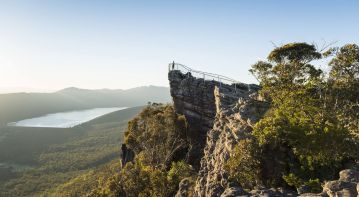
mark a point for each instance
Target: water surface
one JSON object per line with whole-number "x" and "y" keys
{"x": 65, "y": 119}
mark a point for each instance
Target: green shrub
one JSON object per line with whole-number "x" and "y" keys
{"x": 244, "y": 164}
{"x": 158, "y": 133}
{"x": 311, "y": 128}
{"x": 313, "y": 184}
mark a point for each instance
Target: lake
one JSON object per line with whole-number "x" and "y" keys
{"x": 65, "y": 119}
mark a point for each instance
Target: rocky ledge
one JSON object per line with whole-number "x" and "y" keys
{"x": 236, "y": 114}
{"x": 198, "y": 100}
{"x": 219, "y": 116}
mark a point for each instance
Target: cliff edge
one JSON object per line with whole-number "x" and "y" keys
{"x": 219, "y": 115}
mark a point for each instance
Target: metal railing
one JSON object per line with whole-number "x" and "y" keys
{"x": 205, "y": 75}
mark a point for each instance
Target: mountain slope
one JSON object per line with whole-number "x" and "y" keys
{"x": 77, "y": 151}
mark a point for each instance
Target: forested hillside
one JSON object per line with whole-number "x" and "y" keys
{"x": 55, "y": 156}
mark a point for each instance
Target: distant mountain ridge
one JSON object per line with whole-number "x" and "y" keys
{"x": 17, "y": 106}
{"x": 75, "y": 89}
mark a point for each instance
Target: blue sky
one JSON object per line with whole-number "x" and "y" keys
{"x": 53, "y": 44}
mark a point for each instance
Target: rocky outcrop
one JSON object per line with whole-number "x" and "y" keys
{"x": 236, "y": 114}
{"x": 346, "y": 186}
{"x": 219, "y": 115}
{"x": 194, "y": 98}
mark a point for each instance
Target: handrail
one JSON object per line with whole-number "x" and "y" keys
{"x": 220, "y": 78}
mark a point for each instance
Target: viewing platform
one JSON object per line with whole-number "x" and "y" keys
{"x": 208, "y": 76}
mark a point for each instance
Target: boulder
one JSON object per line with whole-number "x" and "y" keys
{"x": 349, "y": 175}
{"x": 340, "y": 188}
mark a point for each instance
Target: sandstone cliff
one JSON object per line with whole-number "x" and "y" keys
{"x": 236, "y": 113}
{"x": 194, "y": 98}
{"x": 219, "y": 115}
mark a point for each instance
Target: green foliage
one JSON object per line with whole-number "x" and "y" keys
{"x": 158, "y": 133}
{"x": 313, "y": 184}
{"x": 344, "y": 83}
{"x": 179, "y": 170}
{"x": 294, "y": 53}
{"x": 87, "y": 181}
{"x": 310, "y": 134}
{"x": 137, "y": 179}
{"x": 345, "y": 65}
{"x": 22, "y": 145}
{"x": 313, "y": 120}
{"x": 158, "y": 137}
{"x": 292, "y": 180}
{"x": 291, "y": 66}
{"x": 244, "y": 164}
{"x": 84, "y": 165}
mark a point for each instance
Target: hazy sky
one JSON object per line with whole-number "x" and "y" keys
{"x": 52, "y": 44}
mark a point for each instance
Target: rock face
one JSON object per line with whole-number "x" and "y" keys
{"x": 219, "y": 115}
{"x": 346, "y": 186}
{"x": 194, "y": 98}
{"x": 236, "y": 114}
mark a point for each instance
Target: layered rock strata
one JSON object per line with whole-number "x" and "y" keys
{"x": 219, "y": 115}
{"x": 236, "y": 114}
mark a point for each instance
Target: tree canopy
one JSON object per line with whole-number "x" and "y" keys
{"x": 313, "y": 118}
